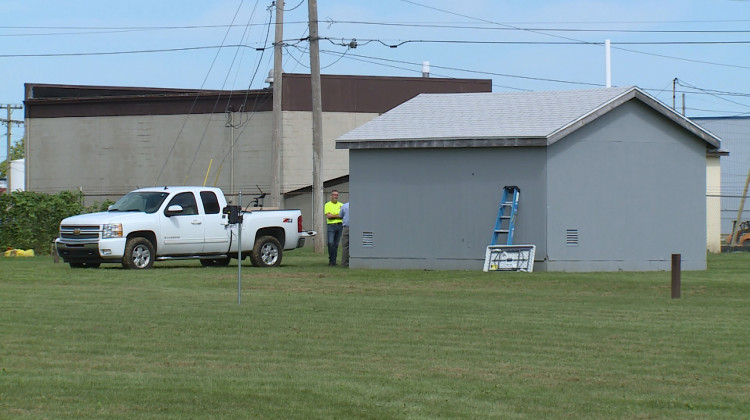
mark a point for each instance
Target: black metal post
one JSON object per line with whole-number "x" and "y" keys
{"x": 676, "y": 274}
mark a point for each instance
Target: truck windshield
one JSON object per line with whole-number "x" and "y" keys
{"x": 148, "y": 202}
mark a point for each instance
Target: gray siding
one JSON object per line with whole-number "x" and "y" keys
{"x": 735, "y": 138}
{"x": 621, "y": 186}
{"x": 633, "y": 184}
{"x": 436, "y": 208}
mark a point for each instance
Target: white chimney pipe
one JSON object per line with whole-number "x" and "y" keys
{"x": 608, "y": 60}
{"x": 425, "y": 69}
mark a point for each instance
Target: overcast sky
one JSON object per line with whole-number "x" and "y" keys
{"x": 520, "y": 44}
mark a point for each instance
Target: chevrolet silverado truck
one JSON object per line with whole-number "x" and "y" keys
{"x": 164, "y": 223}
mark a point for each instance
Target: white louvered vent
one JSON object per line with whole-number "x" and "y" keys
{"x": 367, "y": 240}
{"x": 571, "y": 237}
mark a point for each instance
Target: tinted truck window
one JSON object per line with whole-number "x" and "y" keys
{"x": 210, "y": 202}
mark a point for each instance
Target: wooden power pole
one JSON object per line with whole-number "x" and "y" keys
{"x": 277, "y": 148}
{"x": 318, "y": 194}
{"x": 8, "y": 123}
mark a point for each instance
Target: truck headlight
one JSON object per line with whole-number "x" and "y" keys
{"x": 112, "y": 230}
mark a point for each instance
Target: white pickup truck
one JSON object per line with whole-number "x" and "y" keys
{"x": 177, "y": 223}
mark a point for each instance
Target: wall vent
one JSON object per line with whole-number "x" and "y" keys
{"x": 367, "y": 240}
{"x": 571, "y": 237}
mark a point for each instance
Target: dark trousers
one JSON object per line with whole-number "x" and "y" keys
{"x": 345, "y": 247}
{"x": 333, "y": 237}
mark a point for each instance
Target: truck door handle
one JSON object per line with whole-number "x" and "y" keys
{"x": 196, "y": 222}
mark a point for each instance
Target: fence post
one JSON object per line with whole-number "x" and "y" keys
{"x": 53, "y": 250}
{"x": 676, "y": 274}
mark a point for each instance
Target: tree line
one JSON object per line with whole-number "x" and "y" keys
{"x": 31, "y": 220}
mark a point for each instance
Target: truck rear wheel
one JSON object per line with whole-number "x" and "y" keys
{"x": 139, "y": 254}
{"x": 267, "y": 252}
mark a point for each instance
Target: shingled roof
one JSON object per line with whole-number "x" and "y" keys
{"x": 499, "y": 119}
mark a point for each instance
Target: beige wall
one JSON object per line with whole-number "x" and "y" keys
{"x": 297, "y": 157}
{"x": 713, "y": 204}
{"x": 113, "y": 155}
{"x": 106, "y": 157}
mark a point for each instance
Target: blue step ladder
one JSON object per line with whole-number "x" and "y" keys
{"x": 506, "y": 215}
{"x": 507, "y": 256}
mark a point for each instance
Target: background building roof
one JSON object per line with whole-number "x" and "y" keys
{"x": 341, "y": 93}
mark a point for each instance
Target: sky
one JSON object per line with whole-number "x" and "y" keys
{"x": 698, "y": 50}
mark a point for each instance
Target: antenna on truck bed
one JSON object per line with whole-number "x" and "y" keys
{"x": 258, "y": 200}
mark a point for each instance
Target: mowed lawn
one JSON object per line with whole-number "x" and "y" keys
{"x": 310, "y": 341}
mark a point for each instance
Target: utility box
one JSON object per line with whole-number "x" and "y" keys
{"x": 17, "y": 175}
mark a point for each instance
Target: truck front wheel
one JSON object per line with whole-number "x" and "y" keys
{"x": 139, "y": 254}
{"x": 267, "y": 252}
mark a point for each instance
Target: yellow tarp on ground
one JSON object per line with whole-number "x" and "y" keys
{"x": 19, "y": 253}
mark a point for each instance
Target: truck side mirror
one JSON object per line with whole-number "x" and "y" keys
{"x": 172, "y": 210}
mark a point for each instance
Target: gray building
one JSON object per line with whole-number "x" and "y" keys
{"x": 610, "y": 179}
{"x": 735, "y": 138}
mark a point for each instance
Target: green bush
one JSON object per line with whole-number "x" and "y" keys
{"x": 30, "y": 220}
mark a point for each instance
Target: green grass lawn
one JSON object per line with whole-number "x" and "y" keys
{"x": 310, "y": 341}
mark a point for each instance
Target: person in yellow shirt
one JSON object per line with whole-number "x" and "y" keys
{"x": 334, "y": 226}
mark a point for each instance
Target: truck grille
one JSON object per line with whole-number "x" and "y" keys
{"x": 79, "y": 233}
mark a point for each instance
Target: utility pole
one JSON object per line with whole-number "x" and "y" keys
{"x": 277, "y": 148}
{"x": 317, "y": 125}
{"x": 231, "y": 150}
{"x": 8, "y": 123}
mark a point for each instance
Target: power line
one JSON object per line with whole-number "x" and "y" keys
{"x": 488, "y": 73}
{"x": 295, "y": 7}
{"x": 690, "y": 60}
{"x": 712, "y": 91}
{"x": 492, "y": 26}
{"x": 483, "y": 24}
{"x": 486, "y": 42}
{"x": 96, "y": 30}
{"x": 218, "y": 98}
{"x": 376, "y": 61}
{"x": 681, "y": 83}
{"x": 363, "y": 42}
{"x": 184, "y": 123}
{"x": 413, "y": 67}
{"x": 408, "y": 24}
{"x": 487, "y": 21}
{"x": 81, "y": 54}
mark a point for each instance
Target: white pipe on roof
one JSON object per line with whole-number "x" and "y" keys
{"x": 608, "y": 60}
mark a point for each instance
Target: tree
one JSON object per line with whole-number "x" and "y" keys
{"x": 16, "y": 152}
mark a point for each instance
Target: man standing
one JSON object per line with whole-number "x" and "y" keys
{"x": 334, "y": 226}
{"x": 345, "y": 234}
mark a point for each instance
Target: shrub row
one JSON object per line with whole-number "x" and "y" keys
{"x": 31, "y": 220}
